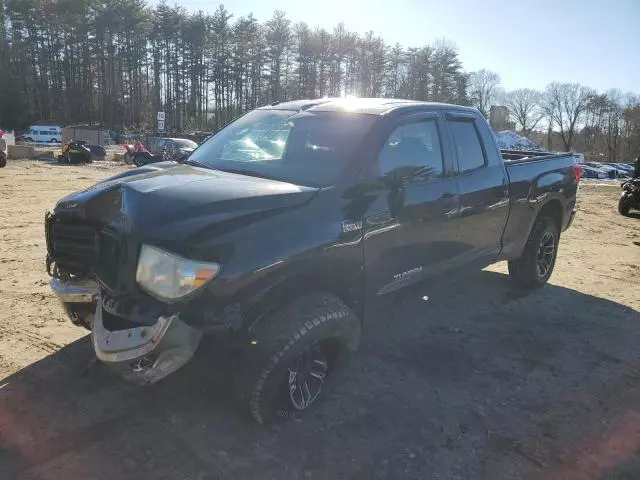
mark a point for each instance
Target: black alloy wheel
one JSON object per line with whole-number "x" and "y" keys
{"x": 546, "y": 250}
{"x": 306, "y": 377}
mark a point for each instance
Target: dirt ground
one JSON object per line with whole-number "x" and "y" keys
{"x": 479, "y": 382}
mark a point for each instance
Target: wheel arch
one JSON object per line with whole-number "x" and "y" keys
{"x": 553, "y": 210}
{"x": 521, "y": 223}
{"x": 326, "y": 280}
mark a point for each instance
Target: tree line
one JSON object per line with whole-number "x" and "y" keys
{"x": 118, "y": 62}
{"x": 567, "y": 116}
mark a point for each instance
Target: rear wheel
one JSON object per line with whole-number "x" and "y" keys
{"x": 294, "y": 352}
{"x": 624, "y": 205}
{"x": 53, "y": 140}
{"x": 3, "y": 159}
{"x": 535, "y": 265}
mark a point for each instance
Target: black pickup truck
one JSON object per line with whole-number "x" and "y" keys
{"x": 280, "y": 232}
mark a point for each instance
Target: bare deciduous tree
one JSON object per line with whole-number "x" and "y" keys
{"x": 484, "y": 89}
{"x": 565, "y": 103}
{"x": 525, "y": 105}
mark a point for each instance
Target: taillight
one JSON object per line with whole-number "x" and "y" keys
{"x": 577, "y": 172}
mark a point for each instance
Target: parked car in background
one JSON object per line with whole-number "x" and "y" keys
{"x": 159, "y": 149}
{"x": 609, "y": 168}
{"x": 43, "y": 134}
{"x": 590, "y": 172}
{"x": 624, "y": 166}
{"x": 181, "y": 145}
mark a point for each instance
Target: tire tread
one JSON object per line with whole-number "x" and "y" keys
{"x": 277, "y": 335}
{"x": 522, "y": 271}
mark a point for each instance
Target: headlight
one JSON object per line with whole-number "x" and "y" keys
{"x": 170, "y": 277}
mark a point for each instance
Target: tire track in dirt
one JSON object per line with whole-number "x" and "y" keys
{"x": 32, "y": 339}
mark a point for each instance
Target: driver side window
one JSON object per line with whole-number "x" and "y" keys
{"x": 412, "y": 153}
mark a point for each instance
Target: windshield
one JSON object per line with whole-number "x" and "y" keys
{"x": 299, "y": 147}
{"x": 184, "y": 143}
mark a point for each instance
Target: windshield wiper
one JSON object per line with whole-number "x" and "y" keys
{"x": 195, "y": 163}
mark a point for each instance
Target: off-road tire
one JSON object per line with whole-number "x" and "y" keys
{"x": 278, "y": 340}
{"x": 624, "y": 205}
{"x": 524, "y": 270}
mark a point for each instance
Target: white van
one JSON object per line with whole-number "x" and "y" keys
{"x": 43, "y": 134}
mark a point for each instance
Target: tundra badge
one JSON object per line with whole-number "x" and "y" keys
{"x": 351, "y": 226}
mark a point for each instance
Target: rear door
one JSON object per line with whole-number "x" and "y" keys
{"x": 410, "y": 228}
{"x": 483, "y": 187}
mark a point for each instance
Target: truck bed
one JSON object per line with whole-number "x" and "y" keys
{"x": 534, "y": 180}
{"x": 525, "y": 156}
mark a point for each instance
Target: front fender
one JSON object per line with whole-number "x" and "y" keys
{"x": 241, "y": 306}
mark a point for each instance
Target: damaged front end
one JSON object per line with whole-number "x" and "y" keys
{"x": 142, "y": 354}
{"x": 145, "y": 354}
{"x": 143, "y": 343}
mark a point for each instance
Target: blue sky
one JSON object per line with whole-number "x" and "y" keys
{"x": 529, "y": 44}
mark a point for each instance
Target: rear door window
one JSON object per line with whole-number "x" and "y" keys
{"x": 467, "y": 145}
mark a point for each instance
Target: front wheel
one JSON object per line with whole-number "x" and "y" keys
{"x": 291, "y": 356}
{"x": 624, "y": 205}
{"x": 535, "y": 265}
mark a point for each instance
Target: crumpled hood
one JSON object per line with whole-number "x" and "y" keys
{"x": 165, "y": 201}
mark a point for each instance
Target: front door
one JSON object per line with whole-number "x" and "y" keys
{"x": 410, "y": 229}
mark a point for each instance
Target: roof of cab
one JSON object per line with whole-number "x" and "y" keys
{"x": 371, "y": 106}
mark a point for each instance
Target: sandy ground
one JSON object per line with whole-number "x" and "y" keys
{"x": 481, "y": 381}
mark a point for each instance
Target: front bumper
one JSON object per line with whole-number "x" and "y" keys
{"x": 76, "y": 291}
{"x": 79, "y": 299}
{"x": 143, "y": 354}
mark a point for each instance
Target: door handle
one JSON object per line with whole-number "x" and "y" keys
{"x": 505, "y": 186}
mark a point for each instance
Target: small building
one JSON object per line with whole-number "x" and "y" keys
{"x": 86, "y": 133}
{"x": 499, "y": 118}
